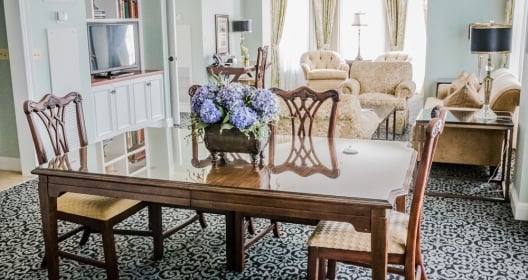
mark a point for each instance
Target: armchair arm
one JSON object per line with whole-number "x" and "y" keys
{"x": 405, "y": 89}
{"x": 344, "y": 67}
{"x": 306, "y": 68}
{"x": 354, "y": 86}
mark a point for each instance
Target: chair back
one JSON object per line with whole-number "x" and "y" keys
{"x": 303, "y": 104}
{"x": 433, "y": 131}
{"x": 54, "y": 113}
{"x": 260, "y": 68}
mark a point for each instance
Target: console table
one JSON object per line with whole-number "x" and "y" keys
{"x": 465, "y": 119}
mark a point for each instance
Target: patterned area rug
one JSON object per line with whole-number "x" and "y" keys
{"x": 462, "y": 239}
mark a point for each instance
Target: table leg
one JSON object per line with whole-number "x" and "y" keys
{"x": 379, "y": 243}
{"x": 507, "y": 164}
{"x": 48, "y": 212}
{"x": 394, "y": 125}
{"x": 387, "y": 128}
{"x": 235, "y": 240}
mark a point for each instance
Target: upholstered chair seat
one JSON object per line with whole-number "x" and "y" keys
{"x": 342, "y": 235}
{"x": 93, "y": 206}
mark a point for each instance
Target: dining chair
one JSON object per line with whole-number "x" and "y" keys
{"x": 260, "y": 69}
{"x": 303, "y": 104}
{"x": 62, "y": 117}
{"x": 339, "y": 241}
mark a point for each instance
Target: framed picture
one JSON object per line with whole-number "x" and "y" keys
{"x": 222, "y": 34}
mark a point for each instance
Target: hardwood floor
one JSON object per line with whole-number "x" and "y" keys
{"x": 11, "y": 178}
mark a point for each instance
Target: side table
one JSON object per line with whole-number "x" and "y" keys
{"x": 384, "y": 112}
{"x": 465, "y": 119}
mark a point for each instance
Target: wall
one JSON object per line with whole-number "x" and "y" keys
{"x": 8, "y": 136}
{"x": 447, "y": 37}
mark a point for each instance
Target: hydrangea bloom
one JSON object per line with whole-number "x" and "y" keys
{"x": 234, "y": 105}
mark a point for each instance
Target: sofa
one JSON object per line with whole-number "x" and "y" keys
{"x": 473, "y": 146}
{"x": 324, "y": 70}
{"x": 384, "y": 82}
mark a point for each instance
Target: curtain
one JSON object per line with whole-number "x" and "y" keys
{"x": 324, "y": 15}
{"x": 278, "y": 12}
{"x": 396, "y": 17}
{"x": 507, "y": 20}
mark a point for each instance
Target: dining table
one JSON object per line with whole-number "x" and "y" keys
{"x": 366, "y": 178}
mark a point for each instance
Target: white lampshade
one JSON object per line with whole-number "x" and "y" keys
{"x": 359, "y": 19}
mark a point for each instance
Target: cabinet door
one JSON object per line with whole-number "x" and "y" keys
{"x": 104, "y": 122}
{"x": 155, "y": 87}
{"x": 140, "y": 100}
{"x": 122, "y": 107}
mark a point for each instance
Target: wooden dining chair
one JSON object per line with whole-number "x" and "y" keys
{"x": 303, "y": 105}
{"x": 339, "y": 241}
{"x": 260, "y": 69}
{"x": 62, "y": 117}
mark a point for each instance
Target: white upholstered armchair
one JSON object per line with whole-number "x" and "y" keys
{"x": 324, "y": 70}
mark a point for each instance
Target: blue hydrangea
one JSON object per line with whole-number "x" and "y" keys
{"x": 230, "y": 97}
{"x": 265, "y": 103}
{"x": 242, "y": 117}
{"x": 242, "y": 106}
{"x": 202, "y": 93}
{"x": 209, "y": 113}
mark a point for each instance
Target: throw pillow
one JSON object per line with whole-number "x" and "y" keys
{"x": 465, "y": 96}
{"x": 462, "y": 79}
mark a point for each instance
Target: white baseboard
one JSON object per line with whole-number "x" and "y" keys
{"x": 519, "y": 209}
{"x": 11, "y": 164}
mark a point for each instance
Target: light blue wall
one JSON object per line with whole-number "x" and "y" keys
{"x": 447, "y": 36}
{"x": 200, "y": 15}
{"x": 8, "y": 130}
{"x": 41, "y": 16}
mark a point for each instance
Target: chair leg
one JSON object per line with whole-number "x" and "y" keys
{"x": 276, "y": 230}
{"x": 201, "y": 219}
{"x": 322, "y": 269}
{"x": 85, "y": 236}
{"x": 331, "y": 269}
{"x": 313, "y": 264}
{"x": 155, "y": 225}
{"x": 249, "y": 225}
{"x": 109, "y": 252}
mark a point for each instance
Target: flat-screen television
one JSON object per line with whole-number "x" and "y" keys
{"x": 113, "y": 48}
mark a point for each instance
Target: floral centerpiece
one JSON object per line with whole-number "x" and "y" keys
{"x": 228, "y": 110}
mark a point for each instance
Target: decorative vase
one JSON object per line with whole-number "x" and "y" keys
{"x": 232, "y": 141}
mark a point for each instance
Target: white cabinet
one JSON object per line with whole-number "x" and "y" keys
{"x": 127, "y": 104}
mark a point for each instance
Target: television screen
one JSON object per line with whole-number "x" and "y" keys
{"x": 113, "y": 47}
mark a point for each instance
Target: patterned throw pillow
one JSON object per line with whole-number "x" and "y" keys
{"x": 466, "y": 96}
{"x": 461, "y": 80}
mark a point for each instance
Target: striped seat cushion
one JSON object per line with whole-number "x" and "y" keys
{"x": 342, "y": 235}
{"x": 93, "y": 206}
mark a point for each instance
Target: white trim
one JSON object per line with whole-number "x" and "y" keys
{"x": 18, "y": 38}
{"x": 11, "y": 164}
{"x": 519, "y": 209}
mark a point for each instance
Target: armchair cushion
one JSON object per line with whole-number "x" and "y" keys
{"x": 327, "y": 74}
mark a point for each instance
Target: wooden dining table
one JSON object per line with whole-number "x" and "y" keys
{"x": 361, "y": 191}
{"x": 231, "y": 73}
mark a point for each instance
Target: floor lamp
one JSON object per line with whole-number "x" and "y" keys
{"x": 242, "y": 26}
{"x": 489, "y": 38}
{"x": 358, "y": 22}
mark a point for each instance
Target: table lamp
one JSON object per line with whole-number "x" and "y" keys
{"x": 242, "y": 26}
{"x": 489, "y": 38}
{"x": 358, "y": 16}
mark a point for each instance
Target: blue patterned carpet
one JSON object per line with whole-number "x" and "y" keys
{"x": 462, "y": 239}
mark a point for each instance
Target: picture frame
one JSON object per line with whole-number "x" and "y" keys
{"x": 222, "y": 33}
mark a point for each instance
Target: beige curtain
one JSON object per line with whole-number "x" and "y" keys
{"x": 396, "y": 17}
{"x": 508, "y": 20}
{"x": 324, "y": 15}
{"x": 278, "y": 12}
